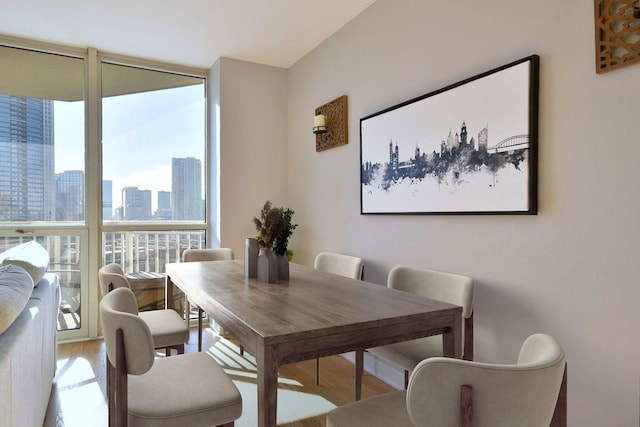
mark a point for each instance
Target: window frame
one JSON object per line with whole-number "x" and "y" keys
{"x": 92, "y": 230}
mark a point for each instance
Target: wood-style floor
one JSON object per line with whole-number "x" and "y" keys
{"x": 78, "y": 395}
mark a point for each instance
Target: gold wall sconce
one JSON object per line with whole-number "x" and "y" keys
{"x": 330, "y": 124}
{"x": 617, "y": 31}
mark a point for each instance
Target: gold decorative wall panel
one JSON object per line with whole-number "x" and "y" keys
{"x": 617, "y": 34}
{"x": 335, "y": 113}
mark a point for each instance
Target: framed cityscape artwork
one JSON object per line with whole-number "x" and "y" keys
{"x": 468, "y": 148}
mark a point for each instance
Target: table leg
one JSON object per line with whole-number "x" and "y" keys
{"x": 267, "y": 386}
{"x": 168, "y": 297}
{"x": 452, "y": 340}
{"x": 359, "y": 372}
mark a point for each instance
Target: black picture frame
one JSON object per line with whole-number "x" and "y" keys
{"x": 468, "y": 148}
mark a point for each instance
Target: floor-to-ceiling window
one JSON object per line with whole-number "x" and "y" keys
{"x": 102, "y": 159}
{"x": 42, "y": 168}
{"x": 153, "y": 168}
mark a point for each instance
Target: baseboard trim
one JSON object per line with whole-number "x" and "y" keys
{"x": 380, "y": 369}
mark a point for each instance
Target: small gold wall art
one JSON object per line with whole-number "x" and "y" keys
{"x": 330, "y": 124}
{"x": 617, "y": 31}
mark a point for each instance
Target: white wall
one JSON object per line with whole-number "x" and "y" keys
{"x": 248, "y": 107}
{"x": 572, "y": 270}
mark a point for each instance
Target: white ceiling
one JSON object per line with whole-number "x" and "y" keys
{"x": 188, "y": 32}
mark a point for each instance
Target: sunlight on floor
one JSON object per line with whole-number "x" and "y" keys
{"x": 292, "y": 404}
{"x": 77, "y": 387}
{"x": 79, "y": 400}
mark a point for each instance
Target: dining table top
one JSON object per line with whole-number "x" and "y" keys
{"x": 307, "y": 304}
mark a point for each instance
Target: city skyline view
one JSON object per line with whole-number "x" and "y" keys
{"x": 144, "y": 134}
{"x": 140, "y": 137}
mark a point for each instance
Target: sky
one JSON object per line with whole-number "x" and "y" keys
{"x": 141, "y": 134}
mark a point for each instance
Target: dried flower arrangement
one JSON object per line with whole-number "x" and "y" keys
{"x": 274, "y": 228}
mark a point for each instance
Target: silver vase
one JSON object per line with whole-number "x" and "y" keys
{"x": 267, "y": 267}
{"x": 283, "y": 267}
{"x": 251, "y": 257}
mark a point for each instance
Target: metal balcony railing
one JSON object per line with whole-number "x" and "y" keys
{"x": 136, "y": 251}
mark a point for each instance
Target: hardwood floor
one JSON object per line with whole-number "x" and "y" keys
{"x": 78, "y": 395}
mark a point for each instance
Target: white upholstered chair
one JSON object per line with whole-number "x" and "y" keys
{"x": 343, "y": 265}
{"x": 451, "y": 288}
{"x": 189, "y": 389}
{"x": 208, "y": 254}
{"x": 168, "y": 329}
{"x": 446, "y": 392}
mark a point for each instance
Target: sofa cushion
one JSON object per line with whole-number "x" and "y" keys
{"x": 31, "y": 256}
{"x": 16, "y": 286}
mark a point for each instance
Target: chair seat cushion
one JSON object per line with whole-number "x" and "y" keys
{"x": 166, "y": 326}
{"x": 380, "y": 411}
{"x": 162, "y": 396}
{"x": 408, "y": 354}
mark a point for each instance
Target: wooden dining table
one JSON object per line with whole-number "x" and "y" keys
{"x": 313, "y": 314}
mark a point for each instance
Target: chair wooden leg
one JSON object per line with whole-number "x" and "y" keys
{"x": 317, "y": 371}
{"x": 111, "y": 400}
{"x": 120, "y": 382}
{"x": 241, "y": 351}
{"x": 180, "y": 349}
{"x": 359, "y": 373}
{"x": 231, "y": 424}
{"x": 466, "y": 408}
{"x": 406, "y": 379}
{"x": 560, "y": 413}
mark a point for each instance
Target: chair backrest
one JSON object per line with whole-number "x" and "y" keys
{"x": 447, "y": 287}
{"x": 119, "y": 310}
{"x": 212, "y": 254}
{"x": 344, "y": 265}
{"x": 520, "y": 395}
{"x": 111, "y": 276}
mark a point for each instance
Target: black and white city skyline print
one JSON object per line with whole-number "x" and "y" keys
{"x": 462, "y": 150}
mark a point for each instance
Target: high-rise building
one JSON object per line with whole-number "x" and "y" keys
{"x": 136, "y": 204}
{"x": 186, "y": 188}
{"x": 164, "y": 200}
{"x": 27, "y": 184}
{"x": 107, "y": 199}
{"x": 70, "y": 196}
{"x": 164, "y": 205}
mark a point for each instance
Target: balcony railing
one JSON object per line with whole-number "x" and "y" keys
{"x": 148, "y": 251}
{"x": 136, "y": 251}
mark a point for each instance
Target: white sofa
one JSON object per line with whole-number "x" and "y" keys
{"x": 28, "y": 344}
